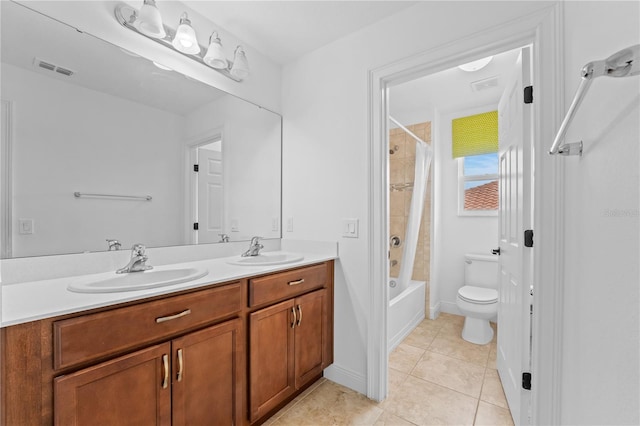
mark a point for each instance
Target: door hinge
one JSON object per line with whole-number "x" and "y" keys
{"x": 528, "y": 95}
{"x": 526, "y": 381}
{"x": 195, "y": 226}
{"x": 528, "y": 238}
{"x": 196, "y": 168}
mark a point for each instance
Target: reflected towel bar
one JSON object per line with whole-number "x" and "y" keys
{"x": 126, "y": 197}
{"x": 624, "y": 63}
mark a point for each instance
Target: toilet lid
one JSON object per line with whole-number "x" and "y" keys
{"x": 479, "y": 295}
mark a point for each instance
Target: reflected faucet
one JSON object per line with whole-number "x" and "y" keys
{"x": 137, "y": 261}
{"x": 224, "y": 238}
{"x": 113, "y": 244}
{"x": 254, "y": 247}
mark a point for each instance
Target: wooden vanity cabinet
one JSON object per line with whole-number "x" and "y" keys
{"x": 290, "y": 341}
{"x": 192, "y": 380}
{"x": 242, "y": 351}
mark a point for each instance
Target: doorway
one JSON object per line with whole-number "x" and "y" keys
{"x": 542, "y": 32}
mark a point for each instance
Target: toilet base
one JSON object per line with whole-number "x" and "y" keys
{"x": 477, "y": 331}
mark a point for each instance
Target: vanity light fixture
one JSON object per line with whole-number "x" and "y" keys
{"x": 148, "y": 22}
{"x": 240, "y": 68}
{"x": 185, "y": 39}
{"x": 215, "y": 55}
{"x": 476, "y": 65}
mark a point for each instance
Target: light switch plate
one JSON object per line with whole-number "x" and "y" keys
{"x": 350, "y": 228}
{"x": 25, "y": 226}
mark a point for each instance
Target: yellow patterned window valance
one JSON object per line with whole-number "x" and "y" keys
{"x": 475, "y": 135}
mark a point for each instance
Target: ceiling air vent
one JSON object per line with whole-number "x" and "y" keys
{"x": 487, "y": 83}
{"x": 52, "y": 67}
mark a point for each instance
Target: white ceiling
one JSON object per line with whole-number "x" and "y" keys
{"x": 451, "y": 89}
{"x": 286, "y": 30}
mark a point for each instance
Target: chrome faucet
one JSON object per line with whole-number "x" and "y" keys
{"x": 254, "y": 247}
{"x": 113, "y": 244}
{"x": 137, "y": 261}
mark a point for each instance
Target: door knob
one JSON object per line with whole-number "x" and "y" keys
{"x": 496, "y": 251}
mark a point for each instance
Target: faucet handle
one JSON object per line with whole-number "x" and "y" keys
{"x": 113, "y": 244}
{"x": 138, "y": 250}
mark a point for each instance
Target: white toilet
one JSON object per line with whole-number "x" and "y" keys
{"x": 478, "y": 298}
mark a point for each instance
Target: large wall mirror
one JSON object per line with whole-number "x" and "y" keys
{"x": 99, "y": 143}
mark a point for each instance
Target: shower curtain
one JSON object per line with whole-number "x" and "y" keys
{"x": 423, "y": 164}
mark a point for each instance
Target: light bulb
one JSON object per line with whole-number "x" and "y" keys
{"x": 240, "y": 68}
{"x": 215, "y": 55}
{"x": 185, "y": 39}
{"x": 149, "y": 21}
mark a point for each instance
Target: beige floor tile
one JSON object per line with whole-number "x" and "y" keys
{"x": 462, "y": 376}
{"x": 456, "y": 347}
{"x": 492, "y": 391}
{"x": 450, "y": 318}
{"x": 491, "y": 415}
{"x": 493, "y": 354}
{"x": 396, "y": 379}
{"x": 332, "y": 404}
{"x": 422, "y": 335}
{"x": 425, "y": 403}
{"x": 388, "y": 419}
{"x": 405, "y": 357}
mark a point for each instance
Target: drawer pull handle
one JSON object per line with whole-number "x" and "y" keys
{"x": 293, "y": 311}
{"x": 172, "y": 317}
{"x": 299, "y": 316}
{"x": 180, "y": 365}
{"x": 165, "y": 368}
{"x": 300, "y": 281}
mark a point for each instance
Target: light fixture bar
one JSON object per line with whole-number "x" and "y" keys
{"x": 127, "y": 15}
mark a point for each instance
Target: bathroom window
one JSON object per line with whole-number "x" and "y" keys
{"x": 478, "y": 185}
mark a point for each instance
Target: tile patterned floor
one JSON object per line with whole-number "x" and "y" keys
{"x": 435, "y": 378}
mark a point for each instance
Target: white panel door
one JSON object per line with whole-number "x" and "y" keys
{"x": 210, "y": 196}
{"x": 514, "y": 124}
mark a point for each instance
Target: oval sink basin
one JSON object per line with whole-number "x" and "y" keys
{"x": 265, "y": 259}
{"x": 139, "y": 280}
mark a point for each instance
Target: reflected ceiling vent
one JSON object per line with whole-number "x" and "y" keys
{"x": 485, "y": 84}
{"x": 37, "y": 62}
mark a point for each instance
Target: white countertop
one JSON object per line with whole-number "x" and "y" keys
{"x": 34, "y": 300}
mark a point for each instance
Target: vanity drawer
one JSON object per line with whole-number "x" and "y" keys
{"x": 283, "y": 285}
{"x": 93, "y": 336}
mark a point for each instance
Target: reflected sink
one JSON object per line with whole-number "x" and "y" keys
{"x": 139, "y": 280}
{"x": 266, "y": 259}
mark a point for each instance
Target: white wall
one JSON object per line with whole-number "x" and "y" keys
{"x": 326, "y": 146}
{"x": 454, "y": 235}
{"x": 601, "y": 331}
{"x": 97, "y": 18}
{"x": 68, "y": 138}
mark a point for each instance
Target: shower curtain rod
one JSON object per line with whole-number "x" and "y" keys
{"x": 624, "y": 63}
{"x": 407, "y": 130}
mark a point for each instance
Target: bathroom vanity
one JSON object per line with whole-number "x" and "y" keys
{"x": 228, "y": 352}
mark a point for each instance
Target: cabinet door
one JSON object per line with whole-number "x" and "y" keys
{"x": 133, "y": 389}
{"x": 271, "y": 368}
{"x": 207, "y": 380}
{"x": 311, "y": 310}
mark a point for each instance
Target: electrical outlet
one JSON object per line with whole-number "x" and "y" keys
{"x": 25, "y": 226}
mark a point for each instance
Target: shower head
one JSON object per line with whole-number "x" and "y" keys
{"x": 624, "y": 63}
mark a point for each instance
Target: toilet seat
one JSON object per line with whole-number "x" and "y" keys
{"x": 478, "y": 295}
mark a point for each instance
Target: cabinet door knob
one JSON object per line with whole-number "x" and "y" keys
{"x": 299, "y": 316}
{"x": 165, "y": 368}
{"x": 180, "y": 365}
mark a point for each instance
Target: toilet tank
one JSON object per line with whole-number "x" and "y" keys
{"x": 481, "y": 270}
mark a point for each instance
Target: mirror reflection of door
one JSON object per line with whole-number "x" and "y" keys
{"x": 210, "y": 192}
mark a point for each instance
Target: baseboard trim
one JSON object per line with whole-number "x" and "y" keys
{"x": 345, "y": 377}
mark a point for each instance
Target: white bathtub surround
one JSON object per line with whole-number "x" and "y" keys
{"x": 37, "y": 295}
{"x": 406, "y": 311}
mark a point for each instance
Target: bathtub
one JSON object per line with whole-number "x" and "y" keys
{"x": 406, "y": 310}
